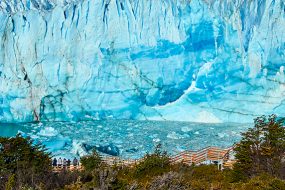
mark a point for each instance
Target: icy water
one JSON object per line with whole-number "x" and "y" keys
{"x": 132, "y": 138}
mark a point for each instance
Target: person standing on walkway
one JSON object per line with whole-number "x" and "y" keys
{"x": 75, "y": 162}
{"x": 64, "y": 163}
{"x": 68, "y": 163}
{"x": 54, "y": 162}
{"x": 59, "y": 162}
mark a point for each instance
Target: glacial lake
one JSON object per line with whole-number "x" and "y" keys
{"x": 131, "y": 138}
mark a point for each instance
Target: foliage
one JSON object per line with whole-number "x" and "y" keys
{"x": 91, "y": 162}
{"x": 74, "y": 186}
{"x": 153, "y": 164}
{"x": 261, "y": 182}
{"x": 205, "y": 175}
{"x": 20, "y": 153}
{"x": 26, "y": 165}
{"x": 10, "y": 183}
{"x": 22, "y": 162}
{"x": 170, "y": 180}
{"x": 261, "y": 149}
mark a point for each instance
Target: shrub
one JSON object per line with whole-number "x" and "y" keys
{"x": 91, "y": 162}
{"x": 23, "y": 162}
{"x": 25, "y": 165}
{"x": 170, "y": 180}
{"x": 20, "y": 153}
{"x": 10, "y": 183}
{"x": 263, "y": 181}
{"x": 207, "y": 177}
{"x": 261, "y": 149}
{"x": 153, "y": 164}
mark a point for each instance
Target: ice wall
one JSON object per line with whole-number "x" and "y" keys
{"x": 198, "y": 60}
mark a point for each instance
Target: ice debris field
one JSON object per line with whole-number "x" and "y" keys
{"x": 127, "y": 139}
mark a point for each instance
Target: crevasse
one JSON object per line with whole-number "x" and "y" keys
{"x": 198, "y": 60}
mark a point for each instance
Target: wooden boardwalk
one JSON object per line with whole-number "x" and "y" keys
{"x": 67, "y": 168}
{"x": 210, "y": 155}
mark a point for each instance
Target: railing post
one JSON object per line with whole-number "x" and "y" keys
{"x": 219, "y": 160}
{"x": 206, "y": 156}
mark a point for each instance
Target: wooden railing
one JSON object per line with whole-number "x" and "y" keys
{"x": 204, "y": 156}
{"x": 209, "y": 154}
{"x": 68, "y": 168}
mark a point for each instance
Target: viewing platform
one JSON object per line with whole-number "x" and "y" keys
{"x": 223, "y": 158}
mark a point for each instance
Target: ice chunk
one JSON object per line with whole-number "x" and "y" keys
{"x": 174, "y": 135}
{"x": 48, "y": 132}
{"x": 55, "y": 144}
{"x": 132, "y": 150}
{"x": 186, "y": 129}
{"x": 78, "y": 148}
{"x": 197, "y": 133}
{"x": 156, "y": 140}
{"x": 110, "y": 149}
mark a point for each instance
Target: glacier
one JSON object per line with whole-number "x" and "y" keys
{"x": 201, "y": 60}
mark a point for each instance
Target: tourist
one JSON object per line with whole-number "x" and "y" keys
{"x": 68, "y": 163}
{"x": 75, "y": 162}
{"x": 64, "y": 163}
{"x": 54, "y": 162}
{"x": 59, "y": 162}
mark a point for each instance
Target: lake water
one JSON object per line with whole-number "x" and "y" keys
{"x": 131, "y": 138}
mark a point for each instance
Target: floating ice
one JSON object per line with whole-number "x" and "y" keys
{"x": 186, "y": 129}
{"x": 110, "y": 149}
{"x": 221, "y": 135}
{"x": 78, "y": 139}
{"x": 174, "y": 135}
{"x": 78, "y": 149}
{"x": 132, "y": 150}
{"x": 54, "y": 145}
{"x": 157, "y": 140}
{"x": 48, "y": 132}
{"x": 22, "y": 133}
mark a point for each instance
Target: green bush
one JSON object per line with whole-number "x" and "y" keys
{"x": 26, "y": 165}
{"x": 261, "y": 182}
{"x": 23, "y": 162}
{"x": 153, "y": 164}
{"x": 10, "y": 183}
{"x": 91, "y": 162}
{"x": 261, "y": 149}
{"x": 20, "y": 153}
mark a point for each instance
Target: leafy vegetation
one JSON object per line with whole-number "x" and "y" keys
{"x": 261, "y": 149}
{"x": 91, "y": 162}
{"x": 153, "y": 164}
{"x": 24, "y": 164}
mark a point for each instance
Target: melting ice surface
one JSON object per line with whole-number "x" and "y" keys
{"x": 132, "y": 138}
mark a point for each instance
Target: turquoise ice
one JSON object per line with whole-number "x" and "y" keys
{"x": 200, "y": 60}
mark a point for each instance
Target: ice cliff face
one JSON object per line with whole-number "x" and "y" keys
{"x": 198, "y": 60}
